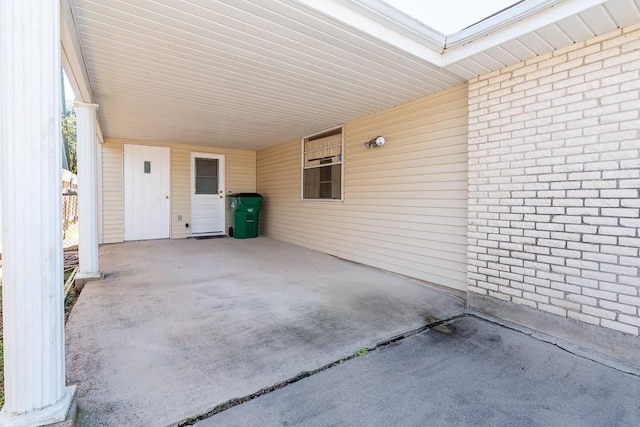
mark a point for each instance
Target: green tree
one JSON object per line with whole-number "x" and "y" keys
{"x": 69, "y": 139}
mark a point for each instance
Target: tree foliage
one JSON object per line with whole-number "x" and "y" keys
{"x": 69, "y": 139}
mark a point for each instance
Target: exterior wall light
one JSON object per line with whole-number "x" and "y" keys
{"x": 378, "y": 141}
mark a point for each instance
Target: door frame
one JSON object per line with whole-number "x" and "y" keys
{"x": 167, "y": 225}
{"x": 221, "y": 186}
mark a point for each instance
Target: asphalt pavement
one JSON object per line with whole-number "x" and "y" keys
{"x": 468, "y": 372}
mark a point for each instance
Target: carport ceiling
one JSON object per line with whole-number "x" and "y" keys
{"x": 251, "y": 74}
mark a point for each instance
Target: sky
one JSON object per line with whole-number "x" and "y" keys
{"x": 449, "y": 16}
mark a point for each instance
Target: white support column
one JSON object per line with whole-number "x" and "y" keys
{"x": 0, "y": 220}
{"x": 87, "y": 191}
{"x": 31, "y": 167}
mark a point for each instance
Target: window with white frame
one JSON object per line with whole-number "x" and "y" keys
{"x": 322, "y": 166}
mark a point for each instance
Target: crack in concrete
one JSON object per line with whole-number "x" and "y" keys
{"x": 357, "y": 353}
{"x": 432, "y": 325}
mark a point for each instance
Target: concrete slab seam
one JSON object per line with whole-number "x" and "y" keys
{"x": 381, "y": 344}
{"x": 564, "y": 345}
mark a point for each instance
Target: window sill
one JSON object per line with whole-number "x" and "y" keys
{"x": 322, "y": 200}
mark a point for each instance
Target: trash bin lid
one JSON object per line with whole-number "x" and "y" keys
{"x": 245, "y": 195}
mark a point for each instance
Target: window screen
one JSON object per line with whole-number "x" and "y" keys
{"x": 206, "y": 176}
{"x": 322, "y": 166}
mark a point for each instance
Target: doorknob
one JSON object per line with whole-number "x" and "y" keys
{"x": 166, "y": 197}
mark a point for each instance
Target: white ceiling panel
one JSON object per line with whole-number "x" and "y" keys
{"x": 536, "y": 43}
{"x": 253, "y": 73}
{"x": 576, "y": 28}
{"x": 461, "y": 69}
{"x": 518, "y": 49}
{"x": 624, "y": 12}
{"x": 502, "y": 55}
{"x": 486, "y": 60}
{"x": 555, "y": 36}
{"x": 599, "y": 20}
{"x": 475, "y": 66}
{"x": 238, "y": 74}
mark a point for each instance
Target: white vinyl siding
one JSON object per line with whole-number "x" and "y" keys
{"x": 405, "y": 204}
{"x": 112, "y": 192}
{"x": 180, "y": 191}
{"x": 240, "y": 177}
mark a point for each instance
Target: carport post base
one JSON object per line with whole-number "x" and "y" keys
{"x": 70, "y": 421}
{"x": 82, "y": 279}
{"x": 60, "y": 414}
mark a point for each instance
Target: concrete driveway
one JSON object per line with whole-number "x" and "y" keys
{"x": 468, "y": 372}
{"x": 180, "y": 327}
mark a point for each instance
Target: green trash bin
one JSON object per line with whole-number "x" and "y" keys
{"x": 245, "y": 211}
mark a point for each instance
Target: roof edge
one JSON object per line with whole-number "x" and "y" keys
{"x": 399, "y": 19}
{"x": 72, "y": 58}
{"x": 511, "y": 23}
{"x": 386, "y": 24}
{"x": 501, "y": 19}
{"x": 383, "y": 21}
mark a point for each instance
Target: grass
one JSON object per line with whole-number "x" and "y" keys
{"x": 69, "y": 301}
{"x": 363, "y": 351}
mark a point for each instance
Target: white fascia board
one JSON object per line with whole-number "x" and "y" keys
{"x": 362, "y": 16}
{"x": 72, "y": 58}
{"x": 385, "y": 14}
{"x": 378, "y": 19}
{"x": 76, "y": 86}
{"x": 515, "y": 13}
{"x": 510, "y": 25}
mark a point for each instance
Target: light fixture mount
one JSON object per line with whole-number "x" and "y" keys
{"x": 377, "y": 141}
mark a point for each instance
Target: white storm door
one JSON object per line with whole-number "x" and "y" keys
{"x": 207, "y": 194}
{"x": 147, "y": 184}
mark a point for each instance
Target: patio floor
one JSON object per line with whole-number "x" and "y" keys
{"x": 181, "y": 326}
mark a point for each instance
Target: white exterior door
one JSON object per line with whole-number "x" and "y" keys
{"x": 146, "y": 192}
{"x": 207, "y": 194}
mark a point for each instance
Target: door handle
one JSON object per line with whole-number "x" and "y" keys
{"x": 166, "y": 197}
